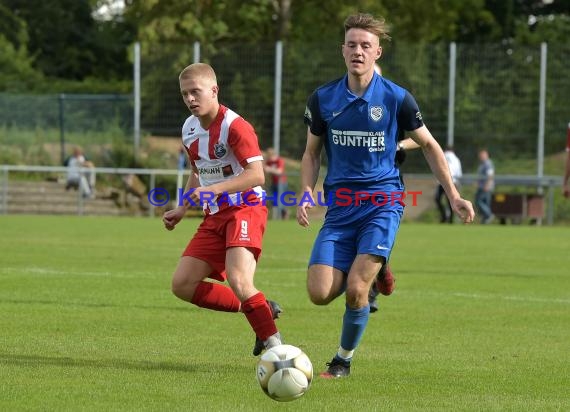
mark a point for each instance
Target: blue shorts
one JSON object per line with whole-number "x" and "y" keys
{"x": 353, "y": 230}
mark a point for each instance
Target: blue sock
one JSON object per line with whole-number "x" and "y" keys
{"x": 353, "y": 326}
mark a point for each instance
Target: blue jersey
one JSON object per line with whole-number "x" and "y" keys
{"x": 361, "y": 133}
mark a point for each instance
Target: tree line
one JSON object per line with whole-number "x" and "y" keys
{"x": 55, "y": 46}
{"x": 43, "y": 42}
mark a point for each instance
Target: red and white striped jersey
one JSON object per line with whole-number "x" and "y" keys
{"x": 221, "y": 152}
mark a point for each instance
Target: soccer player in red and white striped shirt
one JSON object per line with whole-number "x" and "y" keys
{"x": 228, "y": 171}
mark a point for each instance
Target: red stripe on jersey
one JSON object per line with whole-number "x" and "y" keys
{"x": 193, "y": 152}
{"x": 214, "y": 131}
{"x": 243, "y": 140}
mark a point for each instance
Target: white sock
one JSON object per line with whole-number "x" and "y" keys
{"x": 273, "y": 340}
{"x": 345, "y": 354}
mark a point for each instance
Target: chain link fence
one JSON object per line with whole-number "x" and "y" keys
{"x": 497, "y": 90}
{"x": 42, "y": 129}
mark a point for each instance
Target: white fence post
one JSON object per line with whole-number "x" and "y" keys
{"x": 277, "y": 100}
{"x": 137, "y": 98}
{"x": 451, "y": 97}
{"x": 196, "y": 57}
{"x": 541, "y": 112}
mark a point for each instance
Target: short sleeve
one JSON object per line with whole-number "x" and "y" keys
{"x": 313, "y": 117}
{"x": 243, "y": 141}
{"x": 409, "y": 115}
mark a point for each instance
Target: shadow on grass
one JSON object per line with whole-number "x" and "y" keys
{"x": 34, "y": 360}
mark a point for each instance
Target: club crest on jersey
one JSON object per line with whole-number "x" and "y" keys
{"x": 220, "y": 150}
{"x": 376, "y": 113}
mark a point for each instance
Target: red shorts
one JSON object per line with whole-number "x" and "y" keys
{"x": 233, "y": 226}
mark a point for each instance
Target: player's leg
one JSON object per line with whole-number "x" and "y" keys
{"x": 359, "y": 280}
{"x": 188, "y": 284}
{"x": 376, "y": 237}
{"x": 204, "y": 257}
{"x": 240, "y": 268}
{"x": 331, "y": 258}
{"x": 324, "y": 283}
{"x": 244, "y": 230}
{"x": 384, "y": 284}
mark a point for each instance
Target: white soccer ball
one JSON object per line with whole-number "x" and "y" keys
{"x": 285, "y": 373}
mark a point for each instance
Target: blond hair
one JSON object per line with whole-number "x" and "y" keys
{"x": 202, "y": 70}
{"x": 367, "y": 22}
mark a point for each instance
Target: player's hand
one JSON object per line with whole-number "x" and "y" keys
{"x": 308, "y": 203}
{"x": 172, "y": 217}
{"x": 464, "y": 209}
{"x": 203, "y": 195}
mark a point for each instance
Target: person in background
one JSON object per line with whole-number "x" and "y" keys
{"x": 485, "y": 186}
{"x": 441, "y": 200}
{"x": 275, "y": 167}
{"x": 78, "y": 179}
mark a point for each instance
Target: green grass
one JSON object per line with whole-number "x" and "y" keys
{"x": 480, "y": 320}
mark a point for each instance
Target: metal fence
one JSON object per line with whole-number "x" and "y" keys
{"x": 168, "y": 195}
{"x": 41, "y": 129}
{"x": 495, "y": 101}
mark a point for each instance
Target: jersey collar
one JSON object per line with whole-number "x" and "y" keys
{"x": 367, "y": 96}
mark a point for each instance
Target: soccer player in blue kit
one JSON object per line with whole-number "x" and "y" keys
{"x": 357, "y": 119}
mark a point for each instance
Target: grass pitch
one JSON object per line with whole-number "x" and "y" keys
{"x": 480, "y": 320}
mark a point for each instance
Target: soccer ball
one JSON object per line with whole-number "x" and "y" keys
{"x": 284, "y": 373}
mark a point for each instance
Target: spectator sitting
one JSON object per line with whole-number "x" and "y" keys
{"x": 76, "y": 178}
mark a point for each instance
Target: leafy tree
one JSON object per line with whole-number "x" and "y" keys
{"x": 17, "y": 72}
{"x": 67, "y": 42}
{"x": 17, "y": 65}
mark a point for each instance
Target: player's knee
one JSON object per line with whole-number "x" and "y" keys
{"x": 176, "y": 288}
{"x": 319, "y": 299}
{"x": 319, "y": 296}
{"x": 241, "y": 286}
{"x": 182, "y": 288}
{"x": 356, "y": 298}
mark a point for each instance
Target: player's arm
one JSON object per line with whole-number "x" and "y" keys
{"x": 410, "y": 119}
{"x": 243, "y": 141}
{"x": 252, "y": 175}
{"x": 311, "y": 161}
{"x": 172, "y": 217}
{"x": 407, "y": 144}
{"x": 310, "y": 166}
{"x": 436, "y": 160}
{"x": 192, "y": 183}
